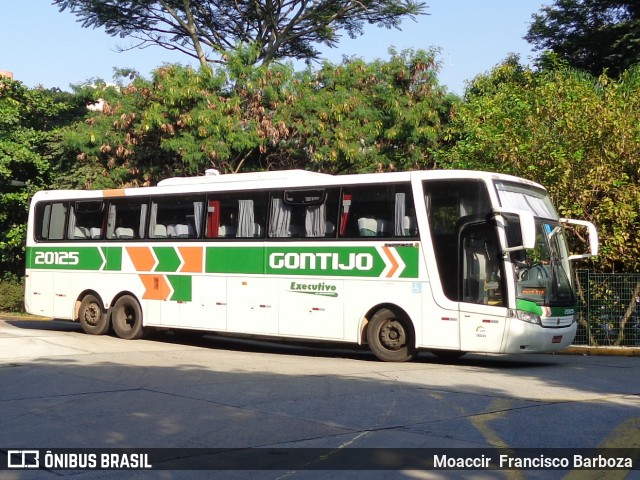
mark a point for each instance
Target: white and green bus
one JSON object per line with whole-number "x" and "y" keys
{"x": 446, "y": 261}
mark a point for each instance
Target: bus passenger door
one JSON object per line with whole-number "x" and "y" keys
{"x": 482, "y": 287}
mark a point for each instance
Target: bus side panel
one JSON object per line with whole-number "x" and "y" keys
{"x": 207, "y": 309}
{"x": 311, "y": 307}
{"x": 38, "y": 288}
{"x": 49, "y": 294}
{"x": 252, "y": 305}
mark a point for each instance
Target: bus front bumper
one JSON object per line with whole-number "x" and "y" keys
{"x": 523, "y": 337}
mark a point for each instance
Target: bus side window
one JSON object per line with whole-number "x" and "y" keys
{"x": 308, "y": 213}
{"x": 86, "y": 220}
{"x": 380, "y": 211}
{"x": 126, "y": 218}
{"x": 50, "y": 221}
{"x": 177, "y": 217}
{"x": 237, "y": 215}
{"x": 367, "y": 211}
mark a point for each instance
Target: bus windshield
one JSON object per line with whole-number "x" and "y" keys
{"x": 542, "y": 274}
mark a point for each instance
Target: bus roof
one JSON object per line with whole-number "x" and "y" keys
{"x": 213, "y": 177}
{"x": 276, "y": 179}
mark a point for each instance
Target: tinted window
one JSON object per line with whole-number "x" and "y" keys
{"x": 177, "y": 217}
{"x": 384, "y": 211}
{"x": 303, "y": 213}
{"x": 50, "y": 221}
{"x": 235, "y": 215}
{"x": 126, "y": 218}
{"x": 86, "y": 220}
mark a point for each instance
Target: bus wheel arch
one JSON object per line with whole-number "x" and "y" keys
{"x": 390, "y": 333}
{"x": 126, "y": 317}
{"x": 91, "y": 314}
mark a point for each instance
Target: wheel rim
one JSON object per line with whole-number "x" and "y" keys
{"x": 392, "y": 335}
{"x": 92, "y": 314}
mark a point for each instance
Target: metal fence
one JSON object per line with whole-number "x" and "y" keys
{"x": 608, "y": 309}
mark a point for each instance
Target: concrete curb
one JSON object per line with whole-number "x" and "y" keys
{"x": 610, "y": 351}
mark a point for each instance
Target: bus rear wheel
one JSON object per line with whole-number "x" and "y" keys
{"x": 390, "y": 337}
{"x": 92, "y": 316}
{"x": 126, "y": 317}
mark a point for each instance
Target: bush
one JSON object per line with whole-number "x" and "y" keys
{"x": 11, "y": 296}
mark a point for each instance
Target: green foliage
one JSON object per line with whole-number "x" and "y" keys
{"x": 29, "y": 120}
{"x": 592, "y": 35}
{"x": 351, "y": 117}
{"x": 577, "y": 135}
{"x": 359, "y": 117}
{"x": 11, "y": 296}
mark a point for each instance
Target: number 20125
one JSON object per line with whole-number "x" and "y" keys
{"x": 57, "y": 258}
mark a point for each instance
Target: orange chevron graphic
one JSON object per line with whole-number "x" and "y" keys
{"x": 394, "y": 263}
{"x": 192, "y": 257}
{"x": 156, "y": 287}
{"x": 142, "y": 258}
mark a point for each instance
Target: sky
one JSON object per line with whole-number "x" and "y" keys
{"x": 42, "y": 46}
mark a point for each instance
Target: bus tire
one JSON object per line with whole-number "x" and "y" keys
{"x": 390, "y": 336}
{"x": 93, "y": 319}
{"x": 126, "y": 318}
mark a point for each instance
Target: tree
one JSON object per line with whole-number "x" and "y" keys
{"x": 280, "y": 28}
{"x": 576, "y": 134}
{"x": 29, "y": 149}
{"x": 351, "y": 117}
{"x": 591, "y": 35}
{"x": 365, "y": 117}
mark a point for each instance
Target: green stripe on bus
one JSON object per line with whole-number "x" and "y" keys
{"x": 363, "y": 261}
{"x": 182, "y": 287}
{"x": 74, "y": 258}
{"x": 113, "y": 255}
{"x": 410, "y": 256}
{"x": 532, "y": 307}
{"x": 168, "y": 259}
{"x": 246, "y": 260}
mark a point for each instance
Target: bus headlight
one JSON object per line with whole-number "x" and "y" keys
{"x": 526, "y": 316}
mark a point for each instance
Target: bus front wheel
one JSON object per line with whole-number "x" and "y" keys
{"x": 390, "y": 337}
{"x": 126, "y": 317}
{"x": 92, "y": 316}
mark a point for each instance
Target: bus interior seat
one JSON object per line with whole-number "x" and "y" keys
{"x": 182, "y": 230}
{"x": 160, "y": 231}
{"x": 95, "y": 232}
{"x": 81, "y": 232}
{"x": 409, "y": 226}
{"x": 171, "y": 231}
{"x": 123, "y": 232}
{"x": 368, "y": 227}
{"x": 257, "y": 230}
